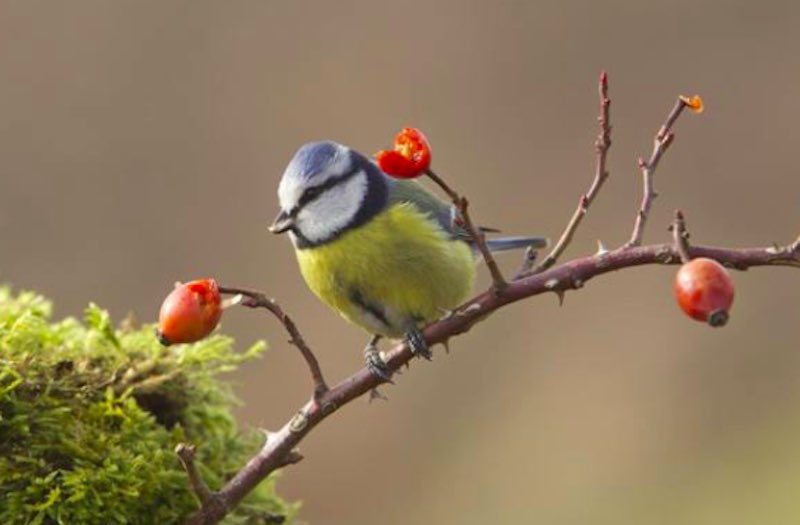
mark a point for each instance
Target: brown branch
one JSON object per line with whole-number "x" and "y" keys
{"x": 601, "y": 146}
{"x": 461, "y": 204}
{"x": 254, "y": 299}
{"x": 680, "y": 237}
{"x": 662, "y": 141}
{"x": 280, "y": 447}
{"x": 185, "y": 453}
{"x": 568, "y": 276}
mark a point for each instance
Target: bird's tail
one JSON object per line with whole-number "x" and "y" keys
{"x": 515, "y": 243}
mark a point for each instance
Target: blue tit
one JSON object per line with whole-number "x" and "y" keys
{"x": 384, "y": 253}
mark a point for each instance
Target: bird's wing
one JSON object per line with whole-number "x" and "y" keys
{"x": 413, "y": 192}
{"x": 445, "y": 214}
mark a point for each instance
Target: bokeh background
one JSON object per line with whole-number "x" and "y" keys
{"x": 142, "y": 142}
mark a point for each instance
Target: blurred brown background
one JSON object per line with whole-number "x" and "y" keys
{"x": 142, "y": 142}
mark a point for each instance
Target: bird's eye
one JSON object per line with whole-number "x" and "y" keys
{"x": 311, "y": 193}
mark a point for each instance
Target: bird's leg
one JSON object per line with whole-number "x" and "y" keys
{"x": 375, "y": 362}
{"x": 416, "y": 343}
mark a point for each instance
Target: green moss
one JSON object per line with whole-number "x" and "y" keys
{"x": 90, "y": 416}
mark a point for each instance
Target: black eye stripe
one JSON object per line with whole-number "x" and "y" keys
{"x": 313, "y": 192}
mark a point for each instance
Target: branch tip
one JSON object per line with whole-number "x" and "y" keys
{"x": 186, "y": 453}
{"x": 664, "y": 137}
{"x": 602, "y": 145}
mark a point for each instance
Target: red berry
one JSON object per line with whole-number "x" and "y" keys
{"x": 190, "y": 312}
{"x": 411, "y": 155}
{"x": 704, "y": 290}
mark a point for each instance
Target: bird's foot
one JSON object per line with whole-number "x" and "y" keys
{"x": 417, "y": 344}
{"x": 375, "y": 362}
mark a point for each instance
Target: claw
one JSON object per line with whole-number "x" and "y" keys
{"x": 417, "y": 345}
{"x": 376, "y": 364}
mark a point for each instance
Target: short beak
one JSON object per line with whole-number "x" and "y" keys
{"x": 282, "y": 223}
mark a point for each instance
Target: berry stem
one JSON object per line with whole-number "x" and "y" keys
{"x": 461, "y": 203}
{"x": 253, "y": 299}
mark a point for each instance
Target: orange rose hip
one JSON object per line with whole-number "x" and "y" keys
{"x": 190, "y": 312}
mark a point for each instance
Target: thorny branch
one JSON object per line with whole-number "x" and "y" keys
{"x": 662, "y": 141}
{"x": 601, "y": 145}
{"x": 280, "y": 447}
{"x": 567, "y": 276}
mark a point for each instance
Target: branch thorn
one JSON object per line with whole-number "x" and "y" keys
{"x": 376, "y": 394}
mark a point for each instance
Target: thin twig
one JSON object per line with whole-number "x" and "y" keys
{"x": 567, "y": 276}
{"x": 461, "y": 204}
{"x": 681, "y": 237}
{"x": 601, "y": 146}
{"x": 185, "y": 453}
{"x": 662, "y": 141}
{"x": 255, "y": 299}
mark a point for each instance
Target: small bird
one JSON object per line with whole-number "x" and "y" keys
{"x": 384, "y": 253}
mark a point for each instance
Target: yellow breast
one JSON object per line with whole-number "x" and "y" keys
{"x": 398, "y": 268}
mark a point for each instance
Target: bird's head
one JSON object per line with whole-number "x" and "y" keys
{"x": 326, "y": 189}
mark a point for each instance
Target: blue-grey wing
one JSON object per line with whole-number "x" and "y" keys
{"x": 413, "y": 192}
{"x": 445, "y": 214}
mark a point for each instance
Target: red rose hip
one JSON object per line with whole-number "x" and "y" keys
{"x": 410, "y": 158}
{"x": 190, "y": 312}
{"x": 704, "y": 290}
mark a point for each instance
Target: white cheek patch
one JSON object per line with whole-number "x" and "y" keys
{"x": 289, "y": 192}
{"x": 333, "y": 210}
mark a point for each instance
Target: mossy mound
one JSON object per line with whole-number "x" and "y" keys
{"x": 90, "y": 416}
